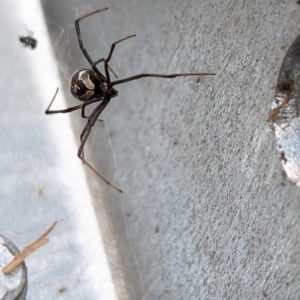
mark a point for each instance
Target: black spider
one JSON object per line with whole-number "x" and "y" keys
{"x": 29, "y": 41}
{"x": 90, "y": 86}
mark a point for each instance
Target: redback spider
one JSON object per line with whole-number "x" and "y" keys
{"x": 91, "y": 86}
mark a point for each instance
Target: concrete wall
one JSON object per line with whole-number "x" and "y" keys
{"x": 207, "y": 212}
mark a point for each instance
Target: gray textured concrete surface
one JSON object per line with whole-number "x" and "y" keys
{"x": 212, "y": 215}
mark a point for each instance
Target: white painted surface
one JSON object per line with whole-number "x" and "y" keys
{"x": 41, "y": 180}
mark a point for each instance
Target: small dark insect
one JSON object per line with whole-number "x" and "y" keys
{"x": 91, "y": 86}
{"x": 29, "y": 41}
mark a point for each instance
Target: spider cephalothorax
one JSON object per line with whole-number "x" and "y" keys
{"x": 91, "y": 86}
{"x": 86, "y": 84}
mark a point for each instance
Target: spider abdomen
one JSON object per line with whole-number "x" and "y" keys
{"x": 86, "y": 84}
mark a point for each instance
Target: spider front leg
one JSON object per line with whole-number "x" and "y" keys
{"x": 110, "y": 68}
{"x": 112, "y": 48}
{"x": 84, "y": 51}
{"x": 87, "y": 56}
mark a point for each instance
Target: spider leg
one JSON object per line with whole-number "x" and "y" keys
{"x": 49, "y": 112}
{"x": 84, "y": 51}
{"x": 70, "y": 109}
{"x": 135, "y": 77}
{"x": 99, "y": 61}
{"x": 84, "y": 136}
{"x": 83, "y": 112}
{"x": 100, "y": 120}
{"x": 112, "y": 48}
{"x": 90, "y": 122}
